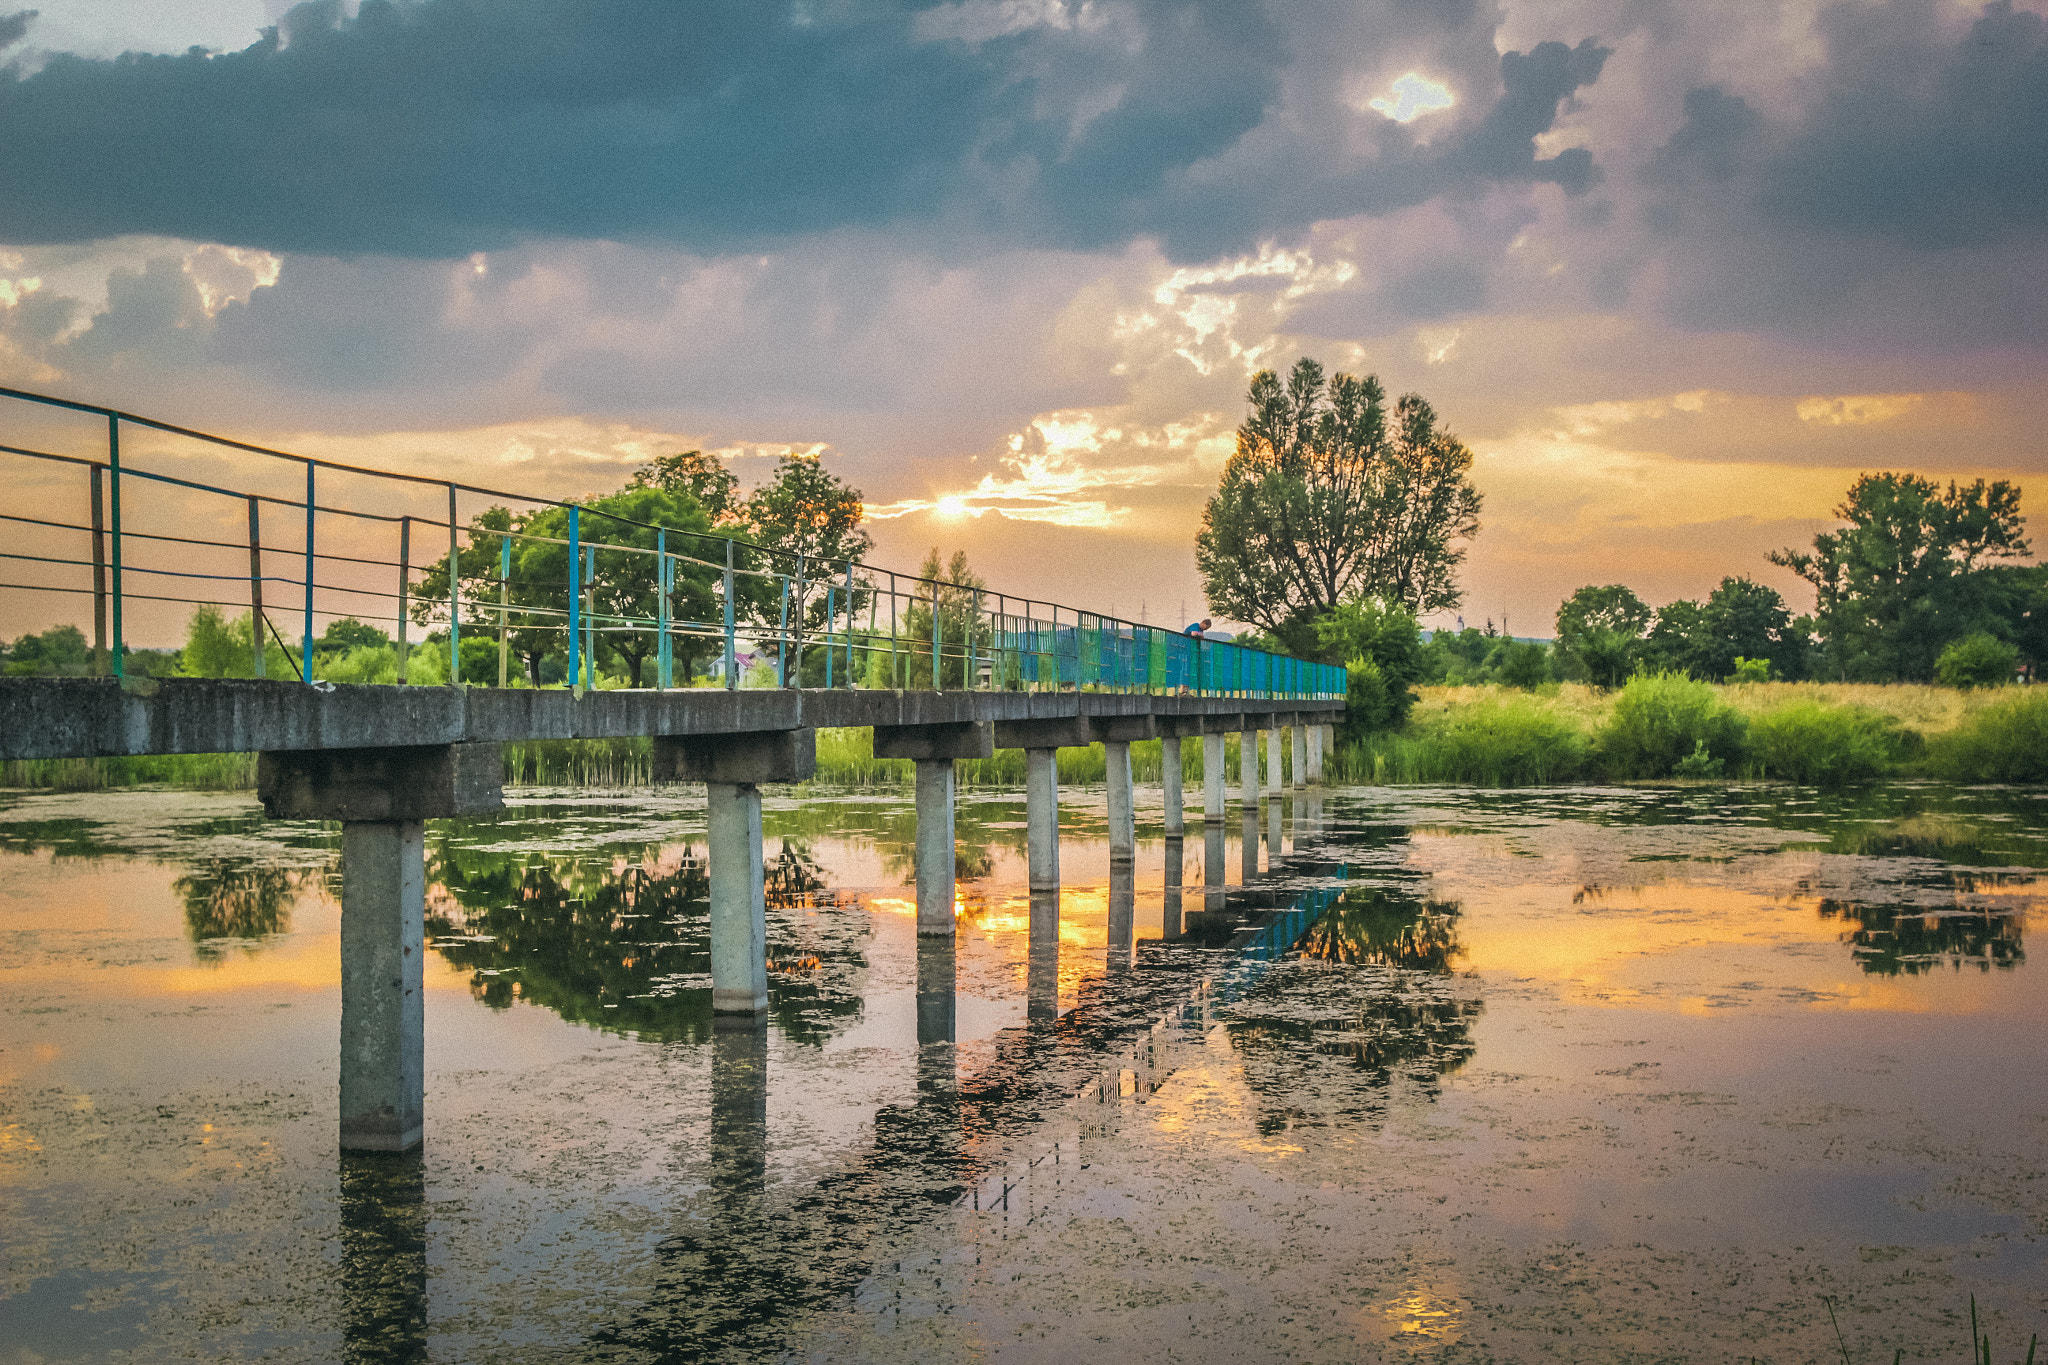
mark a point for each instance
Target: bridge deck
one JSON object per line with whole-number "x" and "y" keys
{"x": 102, "y": 717}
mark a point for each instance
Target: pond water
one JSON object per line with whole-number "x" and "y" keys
{"x": 1384, "y": 1074}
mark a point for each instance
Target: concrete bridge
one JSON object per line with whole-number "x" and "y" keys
{"x": 381, "y": 760}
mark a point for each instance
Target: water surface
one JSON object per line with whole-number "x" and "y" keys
{"x": 1385, "y": 1074}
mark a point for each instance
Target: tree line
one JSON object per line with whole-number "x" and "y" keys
{"x": 1340, "y": 521}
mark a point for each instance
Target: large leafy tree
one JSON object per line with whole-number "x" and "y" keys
{"x": 1740, "y": 619}
{"x": 1891, "y": 585}
{"x": 1330, "y": 498}
{"x": 807, "y": 522}
{"x": 714, "y": 487}
{"x": 1600, "y": 633}
{"x": 953, "y": 591}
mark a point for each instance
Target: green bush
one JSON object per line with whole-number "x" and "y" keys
{"x": 1811, "y": 742}
{"x": 2007, "y": 741}
{"x": 1662, "y": 719}
{"x": 1523, "y": 664}
{"x": 1978, "y": 660}
{"x": 1751, "y": 670}
{"x": 1368, "y": 701}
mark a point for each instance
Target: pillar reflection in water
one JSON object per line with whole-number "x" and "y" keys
{"x": 1276, "y": 833}
{"x": 1169, "y": 922}
{"x": 384, "y": 1257}
{"x": 937, "y": 982}
{"x": 1212, "y": 866}
{"x": 1042, "y": 971}
{"x": 1123, "y": 914}
{"x": 739, "y": 1108}
{"x": 1308, "y": 822}
{"x": 1249, "y": 844}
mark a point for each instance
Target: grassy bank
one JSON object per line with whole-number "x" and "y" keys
{"x": 1815, "y": 733}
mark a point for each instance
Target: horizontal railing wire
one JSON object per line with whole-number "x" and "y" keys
{"x": 805, "y": 610}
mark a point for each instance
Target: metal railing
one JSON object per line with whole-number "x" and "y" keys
{"x": 562, "y": 584}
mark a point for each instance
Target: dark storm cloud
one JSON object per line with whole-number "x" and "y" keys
{"x": 1904, "y": 200}
{"x": 1920, "y": 137}
{"x": 447, "y": 126}
{"x": 13, "y": 27}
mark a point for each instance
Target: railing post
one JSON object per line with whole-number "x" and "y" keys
{"x": 937, "y": 653}
{"x": 830, "y": 649}
{"x": 664, "y": 656}
{"x": 782, "y": 633}
{"x": 99, "y": 577}
{"x": 850, "y": 607}
{"x": 575, "y": 600}
{"x": 306, "y": 625}
{"x": 118, "y": 647}
{"x": 454, "y": 596}
{"x": 590, "y": 608}
{"x": 732, "y": 656}
{"x": 504, "y": 609}
{"x": 256, "y": 581}
{"x": 895, "y": 670}
{"x": 404, "y": 592}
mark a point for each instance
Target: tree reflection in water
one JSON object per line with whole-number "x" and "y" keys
{"x": 1370, "y": 925}
{"x": 622, "y": 942}
{"x": 1890, "y": 940}
{"x": 1370, "y": 1004}
{"x": 231, "y": 898}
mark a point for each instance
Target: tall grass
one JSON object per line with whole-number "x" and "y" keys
{"x": 2006, "y": 741}
{"x": 198, "y": 772}
{"x": 1806, "y": 740}
{"x": 1500, "y": 740}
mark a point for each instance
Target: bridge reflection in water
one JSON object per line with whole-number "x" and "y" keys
{"x": 743, "y": 1267}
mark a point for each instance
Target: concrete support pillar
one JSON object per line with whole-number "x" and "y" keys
{"x": 1123, "y": 833}
{"x": 934, "y": 748}
{"x": 1329, "y": 741}
{"x": 1276, "y": 778}
{"x": 1169, "y": 783}
{"x": 382, "y": 798}
{"x": 1299, "y": 733}
{"x": 936, "y": 849}
{"x": 1248, "y": 768}
{"x": 1042, "y": 817}
{"x": 732, "y": 768}
{"x": 1315, "y": 755}
{"x": 383, "y": 1009}
{"x": 739, "y": 905}
{"x": 1212, "y": 779}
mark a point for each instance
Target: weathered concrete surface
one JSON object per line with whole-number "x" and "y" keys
{"x": 748, "y": 756}
{"x": 1169, "y": 782}
{"x": 383, "y": 1003}
{"x": 100, "y": 717}
{"x": 937, "y": 850}
{"x": 925, "y": 743}
{"x": 424, "y": 783}
{"x": 739, "y": 902}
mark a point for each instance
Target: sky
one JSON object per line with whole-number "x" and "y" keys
{"x": 1675, "y": 270}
